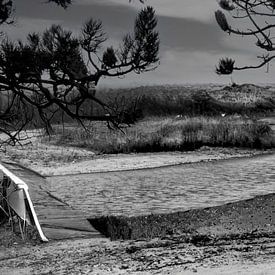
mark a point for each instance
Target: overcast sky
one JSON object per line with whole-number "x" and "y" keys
{"x": 191, "y": 41}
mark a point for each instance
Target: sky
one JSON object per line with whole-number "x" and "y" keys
{"x": 191, "y": 42}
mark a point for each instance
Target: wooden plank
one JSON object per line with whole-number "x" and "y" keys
{"x": 72, "y": 224}
{"x": 58, "y": 220}
{"x": 61, "y": 234}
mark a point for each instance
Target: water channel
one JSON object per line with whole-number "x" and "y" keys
{"x": 167, "y": 189}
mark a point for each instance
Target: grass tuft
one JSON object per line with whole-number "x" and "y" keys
{"x": 170, "y": 134}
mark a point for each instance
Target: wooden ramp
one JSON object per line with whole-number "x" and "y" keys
{"x": 57, "y": 219}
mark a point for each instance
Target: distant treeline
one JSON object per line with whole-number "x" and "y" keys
{"x": 132, "y": 104}
{"x": 190, "y": 101}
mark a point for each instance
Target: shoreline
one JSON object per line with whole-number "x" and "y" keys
{"x": 228, "y": 239}
{"x": 162, "y": 165}
{"x": 256, "y": 216}
{"x": 249, "y": 226}
{"x": 85, "y": 162}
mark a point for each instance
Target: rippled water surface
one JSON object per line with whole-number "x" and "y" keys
{"x": 167, "y": 189}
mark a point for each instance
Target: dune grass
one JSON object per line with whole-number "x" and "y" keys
{"x": 169, "y": 134}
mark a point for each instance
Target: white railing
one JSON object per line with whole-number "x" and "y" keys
{"x": 15, "y": 184}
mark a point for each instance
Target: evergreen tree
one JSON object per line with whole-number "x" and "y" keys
{"x": 56, "y": 72}
{"x": 252, "y": 18}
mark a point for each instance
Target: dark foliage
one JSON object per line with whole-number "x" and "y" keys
{"x": 62, "y": 3}
{"x": 249, "y": 13}
{"x": 226, "y": 66}
{"x": 57, "y": 72}
{"x": 6, "y": 9}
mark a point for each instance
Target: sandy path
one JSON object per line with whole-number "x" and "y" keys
{"x": 53, "y": 160}
{"x": 124, "y": 162}
{"x": 164, "y": 256}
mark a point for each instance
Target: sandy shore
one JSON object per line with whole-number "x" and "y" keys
{"x": 244, "y": 247}
{"x": 55, "y": 160}
{"x": 123, "y": 162}
{"x": 250, "y": 249}
{"x": 102, "y": 258}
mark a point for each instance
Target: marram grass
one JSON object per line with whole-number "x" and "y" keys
{"x": 170, "y": 134}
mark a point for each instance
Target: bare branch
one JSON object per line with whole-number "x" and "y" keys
{"x": 249, "y": 12}
{"x": 55, "y": 73}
